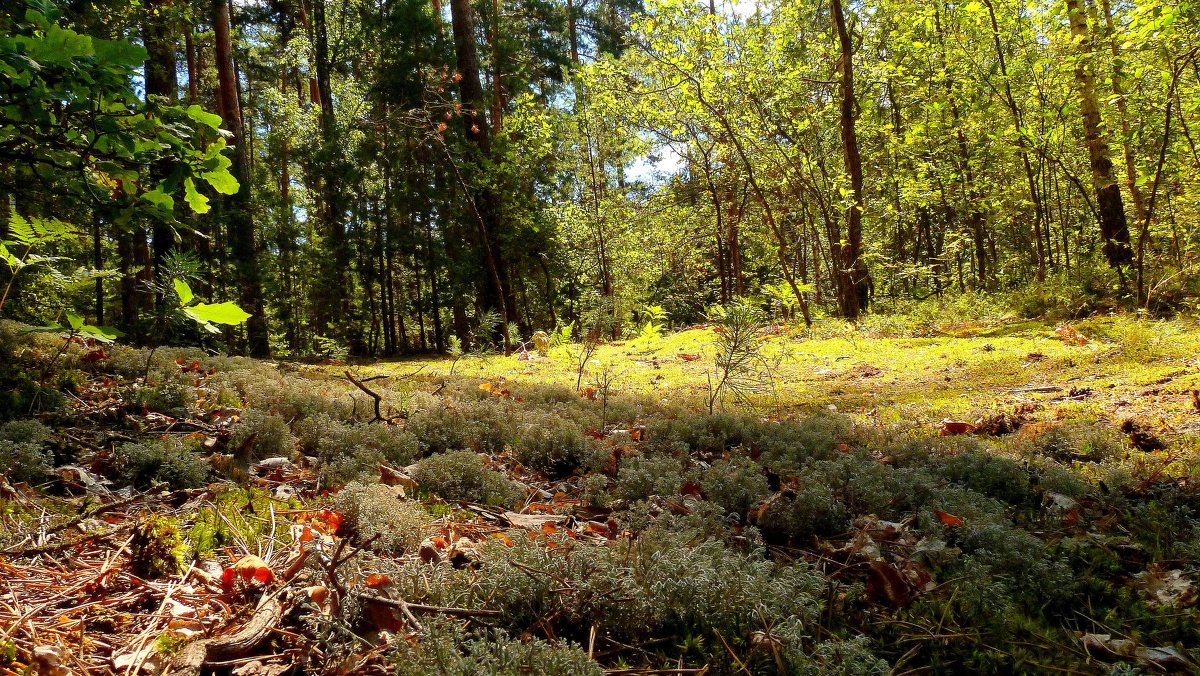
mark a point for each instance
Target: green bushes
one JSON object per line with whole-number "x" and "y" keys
{"x": 462, "y": 475}
{"x": 355, "y": 450}
{"x": 448, "y": 650}
{"x": 23, "y": 455}
{"x": 377, "y": 516}
{"x": 736, "y": 484}
{"x": 991, "y": 475}
{"x": 641, "y": 476}
{"x": 259, "y": 435}
{"x": 477, "y": 426}
{"x": 167, "y": 461}
{"x": 810, "y": 510}
{"x": 1067, "y": 442}
{"x": 557, "y": 446}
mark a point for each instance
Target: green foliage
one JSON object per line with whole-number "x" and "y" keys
{"x": 156, "y": 549}
{"x": 378, "y": 517}
{"x": 259, "y": 435}
{"x": 641, "y": 476}
{"x": 463, "y": 475}
{"x": 449, "y": 650}
{"x": 208, "y": 315}
{"x": 355, "y": 450}
{"x": 557, "y": 446}
{"x": 736, "y": 484}
{"x": 742, "y": 369}
{"x": 23, "y": 454}
{"x": 166, "y": 461}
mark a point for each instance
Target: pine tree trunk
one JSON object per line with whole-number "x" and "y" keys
{"x": 485, "y": 202}
{"x": 158, "y": 35}
{"x": 239, "y": 217}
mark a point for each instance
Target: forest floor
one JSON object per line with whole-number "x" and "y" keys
{"x": 1105, "y": 367}
{"x": 991, "y": 496}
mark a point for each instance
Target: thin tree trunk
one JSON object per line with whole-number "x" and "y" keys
{"x": 855, "y": 286}
{"x": 1109, "y": 205}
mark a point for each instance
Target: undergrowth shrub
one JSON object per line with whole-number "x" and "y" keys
{"x": 349, "y": 451}
{"x": 1066, "y": 442}
{"x": 168, "y": 461}
{"x": 289, "y": 397}
{"x": 376, "y": 515}
{"x": 557, "y": 446}
{"x": 463, "y": 475}
{"x": 23, "y": 455}
{"x": 1020, "y": 560}
{"x": 664, "y": 584}
{"x": 475, "y": 426}
{"x": 787, "y": 445}
{"x": 800, "y": 513}
{"x": 988, "y": 474}
{"x": 641, "y": 476}
{"x": 172, "y": 397}
{"x": 736, "y": 484}
{"x": 449, "y": 650}
{"x": 259, "y": 435}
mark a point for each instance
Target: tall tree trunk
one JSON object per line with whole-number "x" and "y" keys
{"x": 1109, "y": 205}
{"x": 1118, "y": 80}
{"x": 238, "y": 213}
{"x": 854, "y": 287}
{"x": 485, "y": 203}
{"x": 158, "y": 35}
{"x": 338, "y": 301}
{"x": 573, "y": 31}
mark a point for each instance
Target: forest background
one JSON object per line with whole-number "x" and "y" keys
{"x": 396, "y": 176}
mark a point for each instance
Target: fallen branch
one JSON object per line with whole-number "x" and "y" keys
{"x": 433, "y": 610}
{"x": 194, "y": 657}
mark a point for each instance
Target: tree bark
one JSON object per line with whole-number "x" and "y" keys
{"x": 1109, "y": 205}
{"x": 240, "y": 219}
{"x": 854, "y": 286}
{"x": 158, "y": 36}
{"x": 485, "y": 202}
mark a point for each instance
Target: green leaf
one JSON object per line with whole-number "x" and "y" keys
{"x": 20, "y": 229}
{"x": 185, "y": 292}
{"x": 119, "y": 52}
{"x": 74, "y": 320}
{"x": 198, "y": 202}
{"x": 160, "y": 199}
{"x": 104, "y": 334}
{"x": 217, "y": 313}
{"x": 221, "y": 180}
{"x": 200, "y": 115}
{"x": 12, "y": 261}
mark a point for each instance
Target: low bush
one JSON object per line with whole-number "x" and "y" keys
{"x": 641, "y": 475}
{"x": 23, "y": 454}
{"x": 1068, "y": 442}
{"x": 349, "y": 451}
{"x": 377, "y": 516}
{"x": 463, "y": 475}
{"x": 736, "y": 484}
{"x": 448, "y": 650}
{"x": 476, "y": 426}
{"x": 166, "y": 461}
{"x": 557, "y": 446}
{"x": 259, "y": 435}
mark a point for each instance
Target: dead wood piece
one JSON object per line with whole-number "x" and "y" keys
{"x": 433, "y": 610}
{"x": 1036, "y": 388}
{"x": 196, "y": 656}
